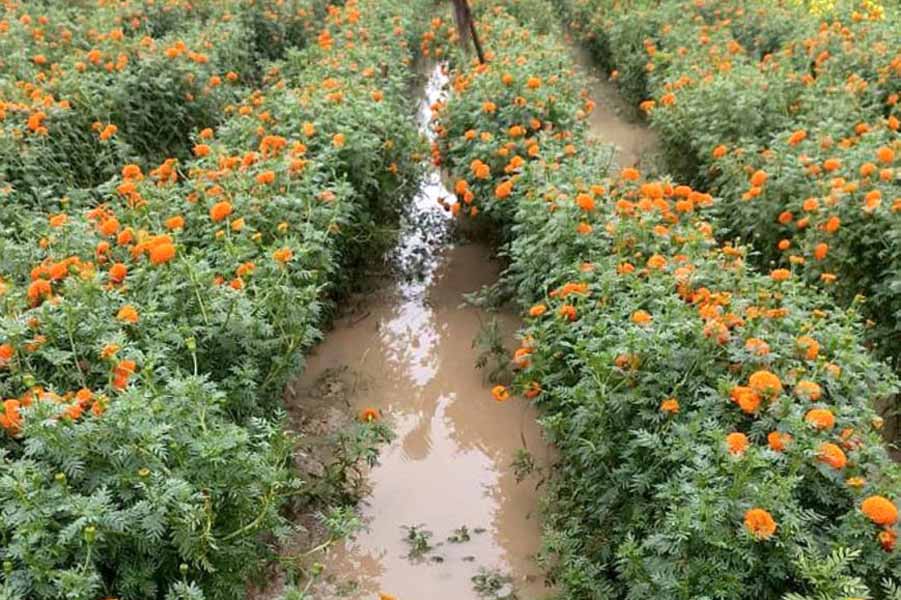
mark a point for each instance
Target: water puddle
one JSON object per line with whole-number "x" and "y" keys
{"x": 406, "y": 350}
{"x": 610, "y": 120}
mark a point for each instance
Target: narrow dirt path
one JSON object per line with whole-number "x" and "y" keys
{"x": 610, "y": 123}
{"x": 407, "y": 351}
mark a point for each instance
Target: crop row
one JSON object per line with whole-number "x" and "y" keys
{"x": 152, "y": 312}
{"x": 715, "y": 424}
{"x": 791, "y": 117}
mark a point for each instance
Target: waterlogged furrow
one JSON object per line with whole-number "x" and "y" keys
{"x": 446, "y": 517}
{"x": 715, "y": 425}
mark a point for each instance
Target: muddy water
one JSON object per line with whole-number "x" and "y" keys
{"x": 633, "y": 140}
{"x": 407, "y": 351}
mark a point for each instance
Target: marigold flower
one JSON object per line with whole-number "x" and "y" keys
{"x": 537, "y": 310}
{"x": 832, "y": 455}
{"x": 809, "y": 390}
{"x": 765, "y": 383}
{"x": 503, "y": 189}
{"x": 746, "y": 398}
{"x": 630, "y": 174}
{"x": 737, "y": 443}
{"x": 220, "y": 211}
{"x": 370, "y": 414}
{"x": 780, "y": 274}
{"x": 880, "y": 510}
{"x": 6, "y": 354}
{"x": 778, "y": 441}
{"x": 127, "y": 314}
{"x": 670, "y": 405}
{"x": 266, "y": 177}
{"x": 175, "y": 223}
{"x": 162, "y": 253}
{"x": 809, "y": 347}
{"x": 720, "y": 151}
{"x": 760, "y": 523}
{"x": 885, "y": 155}
{"x": 500, "y": 393}
{"x": 820, "y": 418}
{"x": 118, "y": 272}
{"x": 641, "y": 317}
{"x": 283, "y": 255}
{"x": 887, "y": 539}
{"x": 585, "y": 202}
{"x": 568, "y": 312}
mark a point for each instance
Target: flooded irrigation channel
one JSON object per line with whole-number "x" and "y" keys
{"x": 445, "y": 517}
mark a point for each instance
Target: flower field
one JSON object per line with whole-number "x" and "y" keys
{"x": 715, "y": 421}
{"x": 790, "y": 112}
{"x": 190, "y": 188}
{"x": 185, "y": 186}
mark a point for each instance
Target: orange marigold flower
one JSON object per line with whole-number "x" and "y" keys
{"x": 670, "y": 405}
{"x": 746, "y": 398}
{"x": 880, "y": 510}
{"x": 797, "y": 137}
{"x": 201, "y": 150}
{"x": 885, "y": 155}
{"x": 118, "y": 272}
{"x": 503, "y": 189}
{"x": 720, "y": 151}
{"x": 821, "y": 418}
{"x": 765, "y": 383}
{"x": 630, "y": 174}
{"x": 370, "y": 414}
{"x": 6, "y": 354}
{"x": 780, "y": 274}
{"x": 175, "y": 223}
{"x": 537, "y": 310}
{"x": 585, "y": 202}
{"x": 128, "y": 314}
{"x": 737, "y": 443}
{"x": 759, "y": 178}
{"x": 162, "y": 253}
{"x": 809, "y": 347}
{"x": 641, "y": 317}
{"x": 760, "y": 523}
{"x": 568, "y": 312}
{"x": 778, "y": 441}
{"x": 809, "y": 390}
{"x": 832, "y": 164}
{"x": 500, "y": 393}
{"x": 266, "y": 177}
{"x": 832, "y": 455}
{"x": 220, "y": 211}
{"x": 283, "y": 255}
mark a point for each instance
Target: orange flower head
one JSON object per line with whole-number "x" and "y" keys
{"x": 765, "y": 383}
{"x": 820, "y": 418}
{"x": 221, "y": 211}
{"x": 500, "y": 393}
{"x": 778, "y": 441}
{"x": 670, "y": 405}
{"x": 537, "y": 310}
{"x": 760, "y": 523}
{"x": 880, "y": 510}
{"x": 737, "y": 443}
{"x": 832, "y": 455}
{"x": 370, "y": 415}
{"x": 128, "y": 314}
{"x": 162, "y": 253}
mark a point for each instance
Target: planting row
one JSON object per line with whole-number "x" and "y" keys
{"x": 791, "y": 117}
{"x": 150, "y": 322}
{"x": 715, "y": 425}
